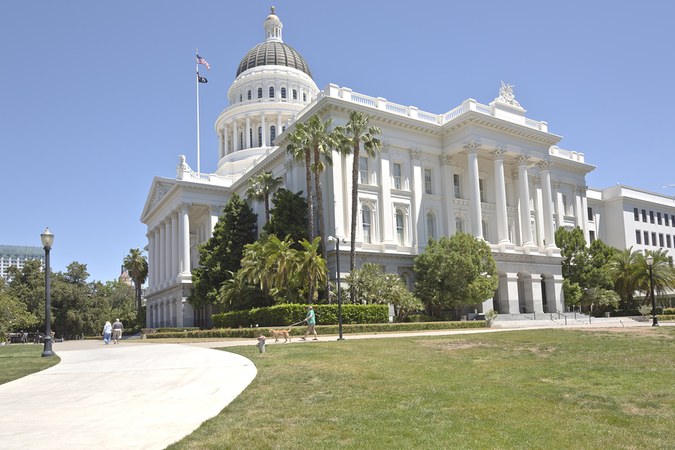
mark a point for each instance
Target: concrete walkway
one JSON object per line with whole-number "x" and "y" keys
{"x": 131, "y": 395}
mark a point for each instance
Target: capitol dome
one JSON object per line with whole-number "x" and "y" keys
{"x": 273, "y": 52}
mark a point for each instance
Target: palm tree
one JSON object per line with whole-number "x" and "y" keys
{"x": 622, "y": 267}
{"x": 254, "y": 266}
{"x": 137, "y": 266}
{"x": 354, "y": 134}
{"x": 261, "y": 187}
{"x": 312, "y": 269}
{"x": 662, "y": 272}
{"x": 236, "y": 294}
{"x": 299, "y": 150}
{"x": 282, "y": 259}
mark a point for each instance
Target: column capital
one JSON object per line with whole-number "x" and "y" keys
{"x": 544, "y": 164}
{"x": 174, "y": 214}
{"x": 522, "y": 159}
{"x": 537, "y": 180}
{"x": 472, "y": 146}
{"x": 580, "y": 188}
{"x": 385, "y": 147}
{"x": 288, "y": 164}
{"x": 557, "y": 184}
{"x": 415, "y": 153}
{"x": 498, "y": 153}
{"x": 514, "y": 174}
{"x": 446, "y": 159}
{"x": 216, "y": 209}
{"x": 162, "y": 222}
{"x": 183, "y": 206}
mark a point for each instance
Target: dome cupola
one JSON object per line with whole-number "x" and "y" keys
{"x": 273, "y": 51}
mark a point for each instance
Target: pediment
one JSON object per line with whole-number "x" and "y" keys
{"x": 157, "y": 192}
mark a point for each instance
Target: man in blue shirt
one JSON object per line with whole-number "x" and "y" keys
{"x": 311, "y": 321}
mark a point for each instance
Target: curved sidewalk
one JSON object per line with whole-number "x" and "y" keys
{"x": 122, "y": 396}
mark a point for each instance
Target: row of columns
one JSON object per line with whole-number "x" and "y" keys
{"x": 229, "y": 144}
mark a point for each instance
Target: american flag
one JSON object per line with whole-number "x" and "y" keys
{"x": 201, "y": 60}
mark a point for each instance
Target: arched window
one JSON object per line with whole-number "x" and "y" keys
{"x": 295, "y": 94}
{"x": 259, "y": 92}
{"x": 404, "y": 278}
{"x": 273, "y": 133}
{"x": 241, "y": 140}
{"x": 431, "y": 231}
{"x": 283, "y": 92}
{"x": 458, "y": 224}
{"x": 249, "y": 94}
{"x": 259, "y": 136}
{"x": 250, "y": 136}
{"x": 271, "y": 91}
{"x": 304, "y": 97}
{"x": 485, "y": 231}
{"x": 400, "y": 228}
{"x": 365, "y": 215}
{"x": 240, "y": 98}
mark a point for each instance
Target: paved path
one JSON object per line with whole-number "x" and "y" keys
{"x": 131, "y": 395}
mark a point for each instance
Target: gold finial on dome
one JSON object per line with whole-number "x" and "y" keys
{"x": 272, "y": 15}
{"x": 272, "y": 9}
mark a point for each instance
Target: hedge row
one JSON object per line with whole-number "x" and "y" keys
{"x": 287, "y": 314}
{"x": 669, "y": 311}
{"x": 321, "y": 329}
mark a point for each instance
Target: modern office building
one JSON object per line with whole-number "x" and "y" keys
{"x": 17, "y": 255}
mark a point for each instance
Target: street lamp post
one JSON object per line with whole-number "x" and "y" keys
{"x": 47, "y": 241}
{"x": 650, "y": 263}
{"x": 337, "y": 262}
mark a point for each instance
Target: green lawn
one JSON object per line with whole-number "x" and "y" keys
{"x": 19, "y": 360}
{"x": 548, "y": 389}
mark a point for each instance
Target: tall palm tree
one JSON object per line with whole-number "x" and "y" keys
{"x": 662, "y": 272}
{"x": 622, "y": 269}
{"x": 261, "y": 187}
{"x": 282, "y": 259}
{"x": 312, "y": 269}
{"x": 354, "y": 134}
{"x": 254, "y": 266}
{"x": 299, "y": 150}
{"x": 137, "y": 266}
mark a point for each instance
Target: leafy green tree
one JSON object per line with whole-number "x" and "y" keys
{"x": 28, "y": 287}
{"x": 357, "y": 133}
{"x": 137, "y": 265}
{"x": 282, "y": 260}
{"x": 455, "y": 272}
{"x": 261, "y": 187}
{"x": 14, "y": 315}
{"x": 622, "y": 270}
{"x": 364, "y": 282}
{"x": 288, "y": 217}
{"x": 223, "y": 252}
{"x": 237, "y": 294}
{"x": 311, "y": 267}
{"x": 254, "y": 270}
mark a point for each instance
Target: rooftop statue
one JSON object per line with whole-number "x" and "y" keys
{"x": 506, "y": 95}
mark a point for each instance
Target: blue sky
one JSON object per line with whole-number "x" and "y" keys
{"x": 97, "y": 98}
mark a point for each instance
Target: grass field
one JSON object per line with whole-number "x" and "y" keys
{"x": 546, "y": 389}
{"x": 19, "y": 360}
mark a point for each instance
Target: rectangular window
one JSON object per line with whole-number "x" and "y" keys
{"x": 363, "y": 169}
{"x": 638, "y": 237}
{"x": 654, "y": 239}
{"x": 636, "y": 214}
{"x": 646, "y": 236}
{"x": 591, "y": 236}
{"x": 427, "y": 181}
{"x": 651, "y": 216}
{"x": 658, "y": 218}
{"x": 668, "y": 240}
{"x": 590, "y": 214}
{"x": 665, "y": 219}
{"x": 455, "y": 179}
{"x": 565, "y": 210}
{"x": 672, "y": 220}
{"x": 481, "y": 190}
{"x": 661, "y": 240}
{"x": 397, "y": 176}
{"x": 644, "y": 215}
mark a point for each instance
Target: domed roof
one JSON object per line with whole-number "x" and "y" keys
{"x": 273, "y": 53}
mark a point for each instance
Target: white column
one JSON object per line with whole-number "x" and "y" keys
{"x": 524, "y": 200}
{"x": 387, "y": 214}
{"x": 162, "y": 251}
{"x": 155, "y": 271}
{"x": 538, "y": 236}
{"x": 216, "y": 210}
{"x": 447, "y": 186}
{"x": 235, "y": 137}
{"x": 167, "y": 256}
{"x": 278, "y": 125}
{"x": 500, "y": 196}
{"x": 184, "y": 239}
{"x": 263, "y": 131}
{"x": 474, "y": 188}
{"x": 175, "y": 245}
{"x": 226, "y": 142}
{"x": 221, "y": 144}
{"x": 547, "y": 202}
{"x": 247, "y": 133}
{"x": 581, "y": 189}
{"x": 557, "y": 201}
{"x": 418, "y": 189}
{"x": 151, "y": 258}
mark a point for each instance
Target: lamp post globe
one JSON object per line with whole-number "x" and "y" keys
{"x": 47, "y": 241}
{"x": 650, "y": 263}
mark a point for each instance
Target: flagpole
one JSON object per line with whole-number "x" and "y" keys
{"x": 197, "y": 80}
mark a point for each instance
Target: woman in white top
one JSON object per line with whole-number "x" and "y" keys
{"x": 107, "y": 331}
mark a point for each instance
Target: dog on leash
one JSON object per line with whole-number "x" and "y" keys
{"x": 278, "y": 334}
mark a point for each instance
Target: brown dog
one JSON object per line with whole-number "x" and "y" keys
{"x": 281, "y": 334}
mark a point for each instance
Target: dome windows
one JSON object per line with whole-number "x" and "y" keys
{"x": 259, "y": 92}
{"x": 249, "y": 94}
{"x": 283, "y": 92}
{"x": 271, "y": 91}
{"x": 304, "y": 97}
{"x": 295, "y": 94}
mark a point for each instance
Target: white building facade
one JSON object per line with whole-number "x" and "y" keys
{"x": 484, "y": 169}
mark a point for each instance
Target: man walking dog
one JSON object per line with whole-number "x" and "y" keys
{"x": 311, "y": 322}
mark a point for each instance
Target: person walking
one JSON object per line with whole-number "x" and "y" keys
{"x": 107, "y": 331}
{"x": 117, "y": 331}
{"x": 311, "y": 322}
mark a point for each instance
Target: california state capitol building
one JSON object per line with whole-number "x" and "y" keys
{"x": 480, "y": 168}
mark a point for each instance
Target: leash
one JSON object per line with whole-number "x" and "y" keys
{"x": 296, "y": 324}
